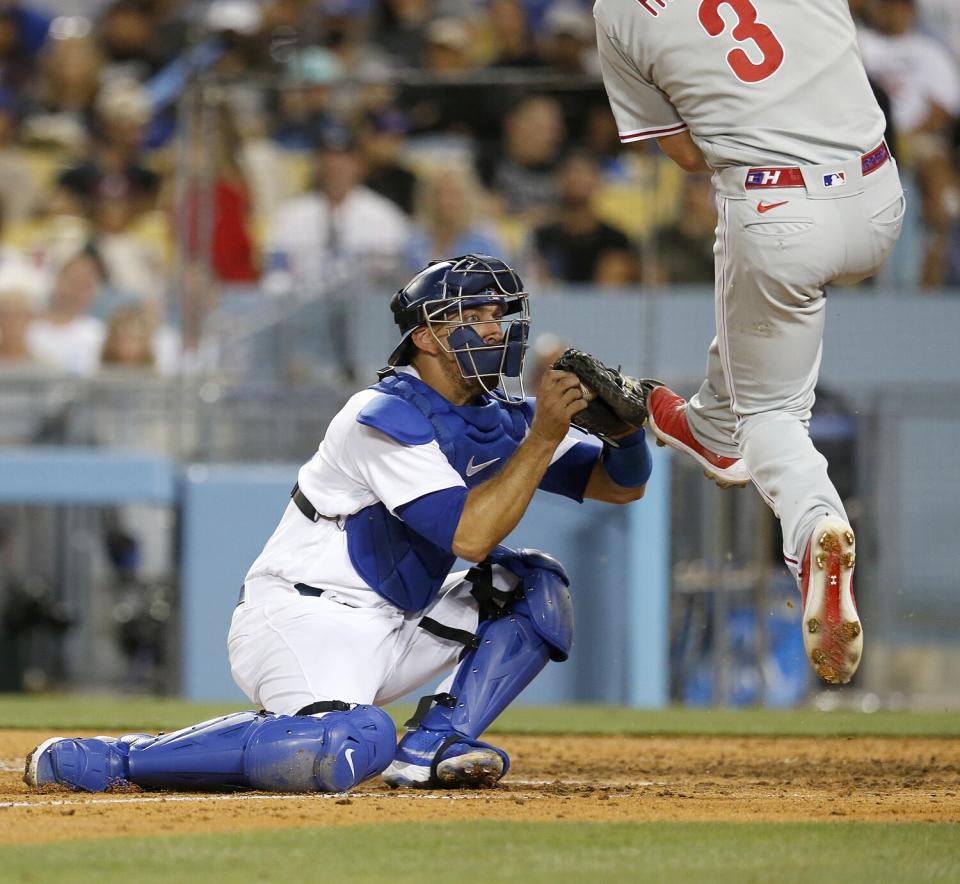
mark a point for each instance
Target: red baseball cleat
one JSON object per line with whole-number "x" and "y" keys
{"x": 832, "y": 634}
{"x": 668, "y": 420}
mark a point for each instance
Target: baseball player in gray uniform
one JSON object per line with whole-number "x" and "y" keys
{"x": 772, "y": 96}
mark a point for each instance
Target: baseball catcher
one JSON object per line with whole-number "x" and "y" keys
{"x": 354, "y": 600}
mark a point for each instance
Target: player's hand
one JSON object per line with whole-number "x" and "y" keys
{"x": 559, "y": 398}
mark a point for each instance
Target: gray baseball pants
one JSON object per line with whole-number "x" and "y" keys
{"x": 772, "y": 264}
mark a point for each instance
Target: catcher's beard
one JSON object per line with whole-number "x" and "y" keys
{"x": 468, "y": 388}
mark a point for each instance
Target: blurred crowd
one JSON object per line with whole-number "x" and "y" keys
{"x": 160, "y": 157}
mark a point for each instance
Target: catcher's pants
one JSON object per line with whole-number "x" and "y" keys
{"x": 771, "y": 264}
{"x": 288, "y": 650}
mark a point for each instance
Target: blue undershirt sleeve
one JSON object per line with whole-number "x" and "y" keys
{"x": 569, "y": 475}
{"x": 435, "y": 516}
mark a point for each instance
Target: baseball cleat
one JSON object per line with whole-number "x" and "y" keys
{"x": 463, "y": 764}
{"x": 90, "y": 765}
{"x": 476, "y": 769}
{"x": 832, "y": 634}
{"x": 668, "y": 420}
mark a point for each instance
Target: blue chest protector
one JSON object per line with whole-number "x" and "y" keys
{"x": 395, "y": 561}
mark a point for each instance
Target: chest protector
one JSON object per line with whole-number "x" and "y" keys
{"x": 394, "y": 560}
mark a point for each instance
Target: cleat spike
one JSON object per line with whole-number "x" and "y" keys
{"x": 813, "y": 625}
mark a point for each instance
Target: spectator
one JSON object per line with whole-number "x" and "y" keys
{"x": 941, "y": 19}
{"x": 382, "y": 141}
{"x": 923, "y": 82}
{"x": 114, "y": 162}
{"x": 218, "y": 198}
{"x": 342, "y": 228}
{"x": 449, "y": 215}
{"x": 521, "y": 170}
{"x": 578, "y": 247}
{"x": 451, "y": 104}
{"x": 514, "y": 46}
{"x": 306, "y": 98}
{"x": 569, "y": 42}
{"x": 19, "y": 193}
{"x": 22, "y": 32}
{"x": 21, "y": 289}
{"x": 569, "y": 46}
{"x": 126, "y": 37}
{"x": 66, "y": 336}
{"x": 399, "y": 30}
{"x": 602, "y": 141}
{"x": 16, "y": 314}
{"x": 69, "y": 77}
{"x": 683, "y": 251}
{"x": 129, "y": 339}
{"x": 133, "y": 265}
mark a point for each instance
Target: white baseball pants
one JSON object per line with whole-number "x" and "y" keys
{"x": 288, "y": 651}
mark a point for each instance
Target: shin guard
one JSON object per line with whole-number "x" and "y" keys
{"x": 276, "y": 753}
{"x": 508, "y": 652}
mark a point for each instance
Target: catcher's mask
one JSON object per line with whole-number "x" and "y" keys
{"x": 441, "y": 294}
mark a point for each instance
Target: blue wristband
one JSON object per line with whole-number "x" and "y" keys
{"x": 629, "y": 465}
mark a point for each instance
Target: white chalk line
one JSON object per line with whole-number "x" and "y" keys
{"x": 404, "y": 794}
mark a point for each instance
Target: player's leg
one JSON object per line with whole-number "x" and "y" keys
{"x": 522, "y": 625}
{"x": 770, "y": 322}
{"x": 278, "y": 753}
{"x": 832, "y": 632}
{"x": 313, "y": 659}
{"x": 292, "y": 650}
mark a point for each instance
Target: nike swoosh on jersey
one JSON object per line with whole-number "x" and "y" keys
{"x": 473, "y": 469}
{"x": 349, "y": 756}
{"x": 766, "y": 207}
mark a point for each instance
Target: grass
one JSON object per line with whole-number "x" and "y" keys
{"x": 119, "y": 713}
{"x": 511, "y": 852}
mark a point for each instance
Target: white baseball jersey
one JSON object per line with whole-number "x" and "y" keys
{"x": 756, "y": 82}
{"x": 354, "y": 467}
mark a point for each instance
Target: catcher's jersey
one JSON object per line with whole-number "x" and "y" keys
{"x": 757, "y": 82}
{"x": 355, "y": 467}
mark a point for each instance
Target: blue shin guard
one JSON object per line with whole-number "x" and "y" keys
{"x": 509, "y": 650}
{"x": 277, "y": 753}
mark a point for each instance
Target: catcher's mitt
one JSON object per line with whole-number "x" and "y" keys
{"x": 617, "y": 403}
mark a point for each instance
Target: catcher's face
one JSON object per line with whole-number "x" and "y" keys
{"x": 486, "y": 321}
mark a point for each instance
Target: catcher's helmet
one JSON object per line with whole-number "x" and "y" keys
{"x": 439, "y": 294}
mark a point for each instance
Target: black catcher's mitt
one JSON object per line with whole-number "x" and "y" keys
{"x": 617, "y": 403}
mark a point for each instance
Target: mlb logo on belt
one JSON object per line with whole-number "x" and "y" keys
{"x": 834, "y": 179}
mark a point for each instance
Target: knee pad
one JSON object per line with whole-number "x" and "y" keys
{"x": 329, "y": 754}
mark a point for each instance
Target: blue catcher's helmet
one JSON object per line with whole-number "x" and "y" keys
{"x": 438, "y": 296}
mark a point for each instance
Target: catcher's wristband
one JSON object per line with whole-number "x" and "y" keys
{"x": 630, "y": 464}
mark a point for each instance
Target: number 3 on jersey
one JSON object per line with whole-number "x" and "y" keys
{"x": 746, "y": 28}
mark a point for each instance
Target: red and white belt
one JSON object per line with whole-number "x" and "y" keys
{"x": 792, "y": 176}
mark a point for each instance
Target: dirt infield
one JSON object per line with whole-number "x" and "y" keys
{"x": 571, "y": 778}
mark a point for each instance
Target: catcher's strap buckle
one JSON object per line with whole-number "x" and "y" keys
{"x": 423, "y": 707}
{"x": 493, "y": 602}
{"x": 308, "y": 509}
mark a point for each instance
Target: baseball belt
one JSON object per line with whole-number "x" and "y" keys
{"x": 792, "y": 176}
